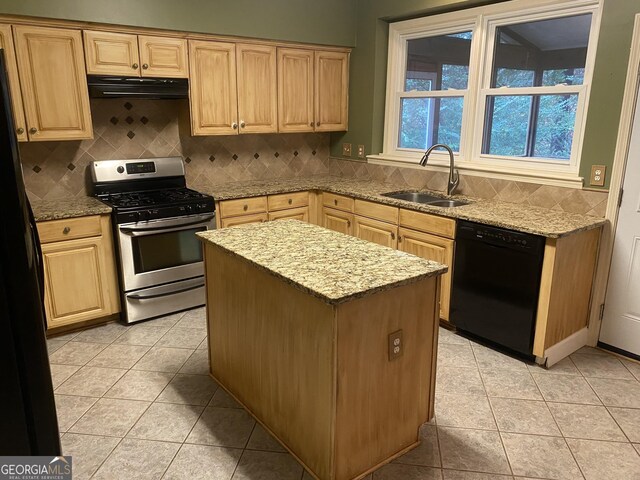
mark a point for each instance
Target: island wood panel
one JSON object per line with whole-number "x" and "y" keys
{"x": 565, "y": 288}
{"x": 288, "y": 200}
{"x": 427, "y": 223}
{"x": 295, "y": 90}
{"x": 331, "y": 91}
{"x": 376, "y": 231}
{"x": 243, "y": 220}
{"x": 242, "y": 206}
{"x": 6, "y": 43}
{"x": 385, "y": 213}
{"x": 300, "y": 213}
{"x": 267, "y": 338}
{"x": 380, "y": 408}
{"x": 337, "y": 220}
{"x": 109, "y": 53}
{"x": 163, "y": 57}
{"x": 54, "y": 83}
{"x": 257, "y": 88}
{"x": 431, "y": 247}
{"x": 213, "y": 88}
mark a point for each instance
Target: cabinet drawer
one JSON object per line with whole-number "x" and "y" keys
{"x": 337, "y": 201}
{"x": 243, "y": 220}
{"x": 69, "y": 229}
{"x": 377, "y": 211}
{"x": 288, "y": 200}
{"x": 301, "y": 213}
{"x": 425, "y": 222}
{"x": 243, "y": 206}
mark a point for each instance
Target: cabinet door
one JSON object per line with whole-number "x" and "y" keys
{"x": 332, "y": 91}
{"x": 212, "y": 91}
{"x": 243, "y": 220}
{"x": 109, "y": 53}
{"x": 301, "y": 214}
{"x": 434, "y": 248}
{"x": 377, "y": 232}
{"x": 337, "y": 220}
{"x": 257, "y": 88}
{"x": 163, "y": 57}
{"x": 77, "y": 280}
{"x": 54, "y": 83}
{"x": 295, "y": 90}
{"x": 6, "y": 43}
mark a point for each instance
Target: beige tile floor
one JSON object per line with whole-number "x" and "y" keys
{"x": 136, "y": 403}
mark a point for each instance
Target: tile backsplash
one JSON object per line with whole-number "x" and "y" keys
{"x": 157, "y": 128}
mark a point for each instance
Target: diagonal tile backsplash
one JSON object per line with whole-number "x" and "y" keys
{"x": 157, "y": 128}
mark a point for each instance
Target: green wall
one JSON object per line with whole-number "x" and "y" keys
{"x": 369, "y": 64}
{"x": 330, "y": 22}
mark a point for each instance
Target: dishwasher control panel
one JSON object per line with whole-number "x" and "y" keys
{"x": 500, "y": 236}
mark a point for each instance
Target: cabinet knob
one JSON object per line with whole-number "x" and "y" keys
{"x": 311, "y": 124}
{"x": 145, "y": 66}
{"x": 20, "y": 131}
{"x": 393, "y": 236}
{"x": 33, "y": 130}
{"x": 335, "y": 202}
{"x": 134, "y": 66}
{"x": 242, "y": 123}
{"x": 234, "y": 125}
{"x": 66, "y": 230}
{"x": 290, "y": 201}
{"x": 399, "y": 238}
{"x": 348, "y": 223}
{"x": 317, "y": 124}
{"x": 245, "y": 208}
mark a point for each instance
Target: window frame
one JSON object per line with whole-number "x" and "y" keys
{"x": 483, "y": 21}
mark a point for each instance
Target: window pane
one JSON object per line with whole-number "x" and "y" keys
{"x": 425, "y": 121}
{"x": 512, "y": 77}
{"x": 554, "y": 51}
{"x": 438, "y": 63}
{"x": 530, "y": 125}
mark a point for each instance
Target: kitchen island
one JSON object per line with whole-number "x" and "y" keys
{"x": 327, "y": 340}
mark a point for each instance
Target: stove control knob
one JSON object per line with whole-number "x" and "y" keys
{"x": 188, "y": 208}
{"x": 120, "y": 169}
{"x": 145, "y": 215}
{"x": 135, "y": 216}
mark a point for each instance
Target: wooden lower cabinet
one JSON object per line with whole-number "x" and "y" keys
{"x": 301, "y": 214}
{"x": 243, "y": 220}
{"x": 337, "y": 220}
{"x": 79, "y": 274}
{"x": 431, "y": 247}
{"x": 376, "y": 231}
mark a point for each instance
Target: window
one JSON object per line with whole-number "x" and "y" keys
{"x": 506, "y": 86}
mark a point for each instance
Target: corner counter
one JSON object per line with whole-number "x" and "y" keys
{"x": 303, "y": 326}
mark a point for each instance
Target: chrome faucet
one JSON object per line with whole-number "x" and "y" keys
{"x": 454, "y": 176}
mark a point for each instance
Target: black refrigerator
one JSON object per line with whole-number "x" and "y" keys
{"x": 28, "y": 423}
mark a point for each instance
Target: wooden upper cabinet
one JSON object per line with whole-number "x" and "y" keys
{"x": 212, "y": 90}
{"x": 257, "y": 88}
{"x": 331, "y": 91}
{"x": 163, "y": 57}
{"x": 54, "y": 83}
{"x": 6, "y": 43}
{"x": 295, "y": 90}
{"x": 109, "y": 53}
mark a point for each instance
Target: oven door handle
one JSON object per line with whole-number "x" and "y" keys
{"x": 167, "y": 226}
{"x": 137, "y": 296}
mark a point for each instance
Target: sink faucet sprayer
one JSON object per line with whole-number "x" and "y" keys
{"x": 454, "y": 177}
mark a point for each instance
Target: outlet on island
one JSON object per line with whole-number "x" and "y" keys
{"x": 395, "y": 345}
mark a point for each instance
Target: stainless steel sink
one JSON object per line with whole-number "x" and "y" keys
{"x": 417, "y": 197}
{"x": 425, "y": 199}
{"x": 448, "y": 203}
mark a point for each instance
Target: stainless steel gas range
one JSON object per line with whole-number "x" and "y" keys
{"x": 155, "y": 219}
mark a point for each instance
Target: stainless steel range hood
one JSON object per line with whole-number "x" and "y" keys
{"x": 134, "y": 87}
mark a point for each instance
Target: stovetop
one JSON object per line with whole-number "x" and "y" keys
{"x": 147, "y": 205}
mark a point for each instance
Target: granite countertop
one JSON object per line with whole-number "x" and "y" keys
{"x": 44, "y": 210}
{"x": 329, "y": 265}
{"x": 523, "y": 218}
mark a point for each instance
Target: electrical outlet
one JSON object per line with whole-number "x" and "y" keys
{"x": 597, "y": 175}
{"x": 360, "y": 151}
{"x": 346, "y": 149}
{"x": 396, "y": 348}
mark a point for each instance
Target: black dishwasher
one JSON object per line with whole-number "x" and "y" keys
{"x": 496, "y": 282}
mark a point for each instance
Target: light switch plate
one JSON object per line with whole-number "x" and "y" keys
{"x": 346, "y": 149}
{"x": 597, "y": 175}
